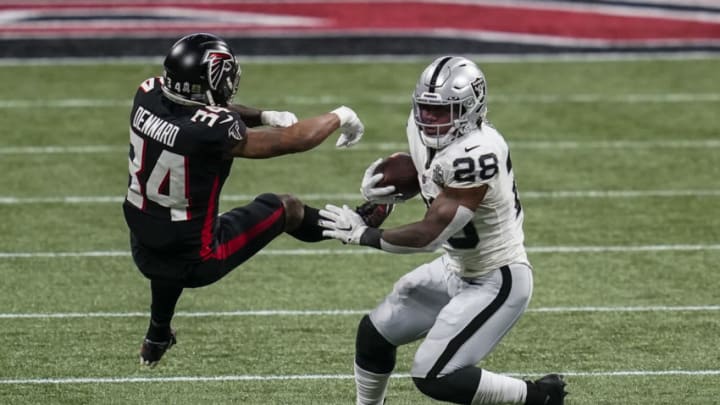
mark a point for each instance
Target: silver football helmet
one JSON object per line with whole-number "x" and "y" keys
{"x": 457, "y": 85}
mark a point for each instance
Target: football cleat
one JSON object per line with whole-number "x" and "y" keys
{"x": 553, "y": 386}
{"x": 374, "y": 214}
{"x": 151, "y": 352}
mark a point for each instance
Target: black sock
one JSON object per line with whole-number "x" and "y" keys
{"x": 165, "y": 296}
{"x": 309, "y": 230}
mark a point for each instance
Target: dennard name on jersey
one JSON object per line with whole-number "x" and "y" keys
{"x": 154, "y": 127}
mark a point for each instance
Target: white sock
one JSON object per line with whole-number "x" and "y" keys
{"x": 370, "y": 386}
{"x": 498, "y": 389}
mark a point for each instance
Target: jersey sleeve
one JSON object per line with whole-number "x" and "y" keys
{"x": 222, "y": 132}
{"x": 469, "y": 167}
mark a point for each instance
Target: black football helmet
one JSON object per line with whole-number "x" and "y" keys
{"x": 201, "y": 69}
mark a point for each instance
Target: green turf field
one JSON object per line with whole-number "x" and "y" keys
{"x": 618, "y": 165}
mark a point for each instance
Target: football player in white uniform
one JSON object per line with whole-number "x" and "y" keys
{"x": 466, "y": 300}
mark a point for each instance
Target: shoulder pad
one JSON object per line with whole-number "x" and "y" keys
{"x": 151, "y": 84}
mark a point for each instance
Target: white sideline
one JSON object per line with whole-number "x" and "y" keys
{"x": 343, "y": 312}
{"x": 106, "y": 199}
{"x": 399, "y": 146}
{"x": 361, "y": 251}
{"x": 245, "y": 378}
{"x": 328, "y": 99}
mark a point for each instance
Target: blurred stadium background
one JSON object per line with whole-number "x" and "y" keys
{"x": 610, "y": 107}
{"x": 82, "y": 28}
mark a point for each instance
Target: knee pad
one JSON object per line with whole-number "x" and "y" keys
{"x": 372, "y": 351}
{"x": 430, "y": 387}
{"x": 458, "y": 387}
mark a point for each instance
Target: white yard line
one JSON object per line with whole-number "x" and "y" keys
{"x": 328, "y": 197}
{"x": 59, "y": 149}
{"x": 344, "y": 312}
{"x": 400, "y": 146}
{"x": 329, "y": 99}
{"x": 360, "y": 251}
{"x": 325, "y": 377}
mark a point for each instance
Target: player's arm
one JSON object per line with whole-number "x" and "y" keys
{"x": 254, "y": 117}
{"x": 261, "y": 143}
{"x": 249, "y": 115}
{"x": 448, "y": 214}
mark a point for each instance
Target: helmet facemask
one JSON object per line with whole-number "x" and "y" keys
{"x": 456, "y": 84}
{"x": 440, "y": 123}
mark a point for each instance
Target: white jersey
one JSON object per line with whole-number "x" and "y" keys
{"x": 494, "y": 238}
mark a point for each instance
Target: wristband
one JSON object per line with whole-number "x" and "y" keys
{"x": 344, "y": 113}
{"x": 371, "y": 237}
{"x": 264, "y": 118}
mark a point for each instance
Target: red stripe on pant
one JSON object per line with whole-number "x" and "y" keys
{"x": 206, "y": 235}
{"x": 233, "y": 245}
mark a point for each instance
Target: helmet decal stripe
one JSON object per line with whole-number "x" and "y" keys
{"x": 219, "y": 62}
{"x": 436, "y": 73}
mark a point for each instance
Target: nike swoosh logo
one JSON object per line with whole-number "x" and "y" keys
{"x": 468, "y": 149}
{"x": 344, "y": 229}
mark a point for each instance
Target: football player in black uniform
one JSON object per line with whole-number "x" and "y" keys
{"x": 184, "y": 134}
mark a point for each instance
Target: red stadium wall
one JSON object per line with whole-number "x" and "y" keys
{"x": 144, "y": 28}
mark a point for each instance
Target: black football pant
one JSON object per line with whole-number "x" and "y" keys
{"x": 239, "y": 234}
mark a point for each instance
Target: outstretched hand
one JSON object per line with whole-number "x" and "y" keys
{"x": 352, "y": 129}
{"x": 343, "y": 224}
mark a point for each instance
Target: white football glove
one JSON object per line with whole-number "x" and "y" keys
{"x": 350, "y": 125}
{"x": 378, "y": 195}
{"x": 278, "y": 118}
{"x": 343, "y": 224}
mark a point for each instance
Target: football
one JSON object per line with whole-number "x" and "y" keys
{"x": 398, "y": 170}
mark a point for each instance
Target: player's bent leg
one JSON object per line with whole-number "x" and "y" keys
{"x": 458, "y": 387}
{"x": 160, "y": 336}
{"x": 411, "y": 309}
{"x": 239, "y": 234}
{"x": 372, "y": 351}
{"x": 374, "y": 362}
{"x": 405, "y": 315}
{"x": 165, "y": 295}
{"x": 473, "y": 385}
{"x": 467, "y": 330}
{"x": 294, "y": 211}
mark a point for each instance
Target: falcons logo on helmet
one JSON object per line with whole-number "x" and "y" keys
{"x": 218, "y": 63}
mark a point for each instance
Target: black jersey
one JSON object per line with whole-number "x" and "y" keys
{"x": 178, "y": 162}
